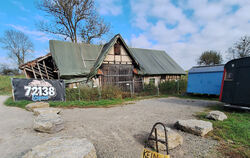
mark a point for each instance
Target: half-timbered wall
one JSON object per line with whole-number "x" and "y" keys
{"x": 118, "y": 69}
{"x": 123, "y": 58}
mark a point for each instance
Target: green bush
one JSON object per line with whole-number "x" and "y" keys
{"x": 168, "y": 87}
{"x": 111, "y": 92}
{"x": 92, "y": 94}
{"x": 149, "y": 89}
{"x": 173, "y": 87}
{"x": 182, "y": 86}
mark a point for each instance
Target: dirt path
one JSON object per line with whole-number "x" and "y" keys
{"x": 116, "y": 132}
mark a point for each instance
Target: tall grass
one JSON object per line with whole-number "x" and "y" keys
{"x": 92, "y": 94}
{"x": 5, "y": 84}
{"x": 235, "y": 131}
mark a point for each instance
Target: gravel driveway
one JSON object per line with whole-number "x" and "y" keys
{"x": 117, "y": 132}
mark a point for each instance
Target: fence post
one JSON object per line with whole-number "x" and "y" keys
{"x": 133, "y": 86}
{"x": 178, "y": 87}
{"x": 79, "y": 92}
{"x": 130, "y": 85}
{"x": 158, "y": 90}
{"x": 99, "y": 93}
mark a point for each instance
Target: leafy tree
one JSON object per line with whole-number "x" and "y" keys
{"x": 210, "y": 58}
{"x": 240, "y": 49}
{"x": 17, "y": 44}
{"x": 73, "y": 19}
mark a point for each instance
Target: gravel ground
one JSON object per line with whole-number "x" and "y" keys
{"x": 117, "y": 132}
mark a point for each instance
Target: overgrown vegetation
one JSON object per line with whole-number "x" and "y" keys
{"x": 5, "y": 84}
{"x": 93, "y": 94}
{"x": 173, "y": 87}
{"x": 149, "y": 89}
{"x": 97, "y": 103}
{"x": 233, "y": 133}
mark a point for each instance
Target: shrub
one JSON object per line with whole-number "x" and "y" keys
{"x": 72, "y": 94}
{"x": 182, "y": 86}
{"x": 168, "y": 87}
{"x": 84, "y": 93}
{"x": 149, "y": 89}
{"x": 173, "y": 87}
{"x": 111, "y": 92}
{"x": 92, "y": 94}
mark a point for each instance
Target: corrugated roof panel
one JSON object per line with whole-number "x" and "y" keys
{"x": 74, "y": 59}
{"x": 155, "y": 62}
{"x": 203, "y": 69}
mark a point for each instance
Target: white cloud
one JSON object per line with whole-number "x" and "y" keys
{"x": 211, "y": 25}
{"x": 107, "y": 7}
{"x": 20, "y": 6}
{"x": 36, "y": 35}
{"x": 141, "y": 41}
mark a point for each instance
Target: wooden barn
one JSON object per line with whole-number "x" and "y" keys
{"x": 97, "y": 65}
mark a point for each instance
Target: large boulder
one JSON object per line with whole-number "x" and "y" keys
{"x": 48, "y": 123}
{"x": 216, "y": 115}
{"x": 174, "y": 139}
{"x": 63, "y": 147}
{"x": 32, "y": 106}
{"x": 197, "y": 127}
{"x": 38, "y": 111}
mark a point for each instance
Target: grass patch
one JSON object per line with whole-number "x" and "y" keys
{"x": 5, "y": 84}
{"x": 233, "y": 133}
{"x": 98, "y": 103}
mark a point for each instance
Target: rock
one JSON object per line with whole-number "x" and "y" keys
{"x": 174, "y": 139}
{"x": 32, "y": 106}
{"x": 38, "y": 111}
{"x": 216, "y": 115}
{"x": 48, "y": 123}
{"x": 63, "y": 147}
{"x": 197, "y": 127}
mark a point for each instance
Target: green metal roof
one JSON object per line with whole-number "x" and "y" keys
{"x": 83, "y": 60}
{"x": 155, "y": 62}
{"x": 74, "y": 59}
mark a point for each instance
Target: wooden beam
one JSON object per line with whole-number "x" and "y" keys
{"x": 40, "y": 71}
{"x": 51, "y": 76}
{"x": 42, "y": 67}
{"x": 45, "y": 69}
{"x": 33, "y": 72}
{"x": 43, "y": 72}
{"x": 25, "y": 73}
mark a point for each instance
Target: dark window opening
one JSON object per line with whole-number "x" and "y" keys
{"x": 228, "y": 76}
{"x": 117, "y": 49}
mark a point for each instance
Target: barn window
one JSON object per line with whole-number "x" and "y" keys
{"x": 163, "y": 77}
{"x": 152, "y": 81}
{"x": 117, "y": 49}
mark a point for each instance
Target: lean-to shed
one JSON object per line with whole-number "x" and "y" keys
{"x": 205, "y": 79}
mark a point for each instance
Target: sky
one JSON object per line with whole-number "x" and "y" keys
{"x": 183, "y": 28}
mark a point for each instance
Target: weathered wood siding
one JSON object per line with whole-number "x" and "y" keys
{"x": 118, "y": 70}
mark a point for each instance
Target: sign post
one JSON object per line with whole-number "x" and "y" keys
{"x": 38, "y": 90}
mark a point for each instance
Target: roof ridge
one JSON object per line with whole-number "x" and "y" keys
{"x": 149, "y": 49}
{"x": 202, "y": 66}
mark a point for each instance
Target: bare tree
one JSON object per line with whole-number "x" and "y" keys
{"x": 17, "y": 44}
{"x": 72, "y": 19}
{"x": 210, "y": 58}
{"x": 94, "y": 28}
{"x": 240, "y": 49}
